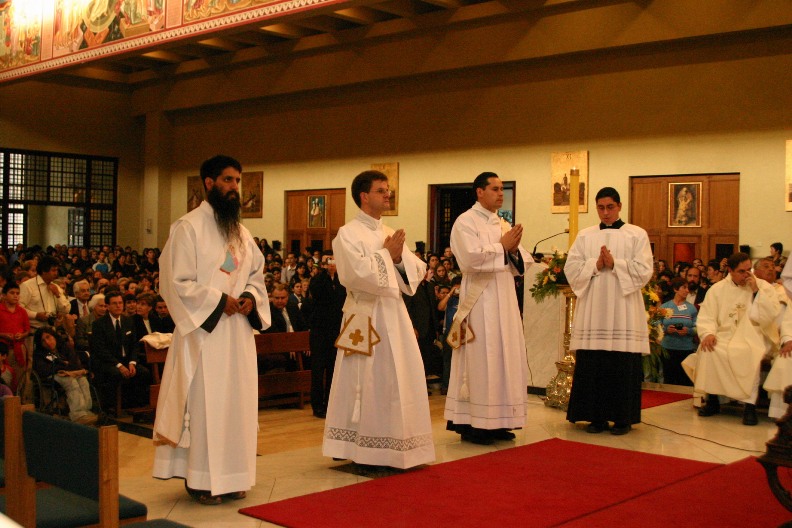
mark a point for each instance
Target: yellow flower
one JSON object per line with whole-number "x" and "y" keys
{"x": 653, "y": 296}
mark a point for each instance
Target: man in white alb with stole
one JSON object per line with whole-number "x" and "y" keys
{"x": 607, "y": 266}
{"x": 212, "y": 278}
{"x": 736, "y": 314}
{"x": 378, "y": 413}
{"x": 487, "y": 390}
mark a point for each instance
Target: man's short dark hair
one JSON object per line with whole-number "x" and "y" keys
{"x": 130, "y": 297}
{"x": 737, "y": 259}
{"x": 482, "y": 180}
{"x": 113, "y": 293}
{"x": 608, "y": 192}
{"x": 214, "y": 167}
{"x": 778, "y": 246}
{"x": 362, "y": 183}
{"x": 10, "y": 285}
{"x": 46, "y": 263}
{"x": 714, "y": 264}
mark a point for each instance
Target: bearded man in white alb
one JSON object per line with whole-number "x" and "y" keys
{"x": 734, "y": 317}
{"x": 378, "y": 413}
{"x": 489, "y": 372}
{"x": 211, "y": 276}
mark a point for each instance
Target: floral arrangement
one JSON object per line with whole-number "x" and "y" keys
{"x": 549, "y": 279}
{"x": 654, "y": 319}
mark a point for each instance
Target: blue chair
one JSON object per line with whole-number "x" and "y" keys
{"x": 79, "y": 462}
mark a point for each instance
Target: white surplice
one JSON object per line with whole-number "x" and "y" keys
{"x": 394, "y": 426}
{"x": 207, "y": 411}
{"x": 738, "y": 320}
{"x": 610, "y": 312}
{"x": 780, "y": 375}
{"x": 494, "y": 363}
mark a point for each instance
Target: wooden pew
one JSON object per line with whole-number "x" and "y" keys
{"x": 154, "y": 358}
{"x": 284, "y": 387}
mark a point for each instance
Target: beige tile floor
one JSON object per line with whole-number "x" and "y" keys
{"x": 291, "y": 463}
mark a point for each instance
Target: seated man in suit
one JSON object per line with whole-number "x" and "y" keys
{"x": 82, "y": 294}
{"x": 286, "y": 317}
{"x": 114, "y": 356}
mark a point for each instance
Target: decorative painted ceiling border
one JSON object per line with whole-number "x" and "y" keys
{"x": 203, "y": 26}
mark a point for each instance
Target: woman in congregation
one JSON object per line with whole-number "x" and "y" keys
{"x": 54, "y": 357}
{"x": 680, "y": 332}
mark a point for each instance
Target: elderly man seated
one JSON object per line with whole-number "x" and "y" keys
{"x": 735, "y": 315}
{"x": 778, "y": 341}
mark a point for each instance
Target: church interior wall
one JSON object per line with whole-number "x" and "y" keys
{"x": 647, "y": 93}
{"x": 684, "y": 117}
{"x": 39, "y": 116}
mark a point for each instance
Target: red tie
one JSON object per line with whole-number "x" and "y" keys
{"x": 85, "y": 309}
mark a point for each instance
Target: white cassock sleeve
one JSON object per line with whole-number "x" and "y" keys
{"x": 579, "y": 269}
{"x": 635, "y": 270}
{"x": 361, "y": 270}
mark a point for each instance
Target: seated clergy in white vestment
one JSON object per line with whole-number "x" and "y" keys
{"x": 735, "y": 315}
{"x": 778, "y": 342}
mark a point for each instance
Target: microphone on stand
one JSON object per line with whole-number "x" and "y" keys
{"x": 548, "y": 238}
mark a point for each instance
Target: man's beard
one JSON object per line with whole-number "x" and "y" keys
{"x": 227, "y": 212}
{"x": 692, "y": 287}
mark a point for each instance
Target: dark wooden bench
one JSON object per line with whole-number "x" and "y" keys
{"x": 154, "y": 358}
{"x": 282, "y": 388}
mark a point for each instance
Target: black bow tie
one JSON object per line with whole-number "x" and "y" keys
{"x": 616, "y": 225}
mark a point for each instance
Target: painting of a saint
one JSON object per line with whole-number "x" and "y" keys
{"x": 684, "y": 205}
{"x": 251, "y": 194}
{"x": 316, "y": 211}
{"x": 195, "y": 192}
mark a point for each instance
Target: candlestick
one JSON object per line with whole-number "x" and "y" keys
{"x": 574, "y": 198}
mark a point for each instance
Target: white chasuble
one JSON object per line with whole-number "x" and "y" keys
{"x": 610, "y": 312}
{"x": 207, "y": 412}
{"x": 489, "y": 374}
{"x": 738, "y": 320}
{"x": 378, "y": 411}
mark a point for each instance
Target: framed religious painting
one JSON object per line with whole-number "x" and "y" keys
{"x": 561, "y": 166}
{"x": 195, "y": 192}
{"x": 317, "y": 211}
{"x": 251, "y": 193}
{"x": 684, "y": 204}
{"x": 391, "y": 170}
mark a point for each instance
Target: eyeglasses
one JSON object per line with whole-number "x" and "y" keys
{"x": 384, "y": 192}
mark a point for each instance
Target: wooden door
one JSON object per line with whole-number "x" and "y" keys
{"x": 687, "y": 216}
{"x": 313, "y": 218}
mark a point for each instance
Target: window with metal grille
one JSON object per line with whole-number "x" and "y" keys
{"x": 85, "y": 184}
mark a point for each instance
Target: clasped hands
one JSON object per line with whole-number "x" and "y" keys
{"x": 128, "y": 371}
{"x": 242, "y": 306}
{"x": 394, "y": 244}
{"x": 605, "y": 259}
{"x": 511, "y": 239}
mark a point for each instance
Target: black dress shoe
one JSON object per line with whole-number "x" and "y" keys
{"x": 749, "y": 415}
{"x": 620, "y": 429}
{"x": 596, "y": 427}
{"x": 711, "y": 407}
{"x": 502, "y": 434}
{"x": 477, "y": 436}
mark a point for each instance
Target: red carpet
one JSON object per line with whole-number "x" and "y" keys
{"x": 736, "y": 495}
{"x": 543, "y": 484}
{"x": 653, "y": 398}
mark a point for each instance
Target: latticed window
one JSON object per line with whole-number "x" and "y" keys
{"x": 86, "y": 185}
